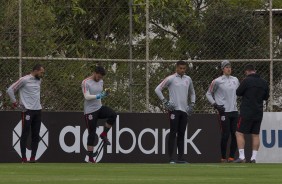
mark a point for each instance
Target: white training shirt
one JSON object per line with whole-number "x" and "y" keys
{"x": 179, "y": 87}
{"x": 29, "y": 92}
{"x": 222, "y": 91}
{"x": 91, "y": 87}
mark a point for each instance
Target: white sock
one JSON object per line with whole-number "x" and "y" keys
{"x": 241, "y": 154}
{"x": 254, "y": 155}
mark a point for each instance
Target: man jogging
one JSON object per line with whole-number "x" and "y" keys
{"x": 92, "y": 88}
{"x": 180, "y": 86}
{"x": 254, "y": 90}
{"x": 29, "y": 102}
{"x": 222, "y": 95}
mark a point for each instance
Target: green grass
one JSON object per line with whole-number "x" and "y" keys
{"x": 140, "y": 173}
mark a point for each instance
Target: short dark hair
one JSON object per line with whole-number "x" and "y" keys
{"x": 100, "y": 70}
{"x": 37, "y": 67}
{"x": 178, "y": 63}
{"x": 249, "y": 67}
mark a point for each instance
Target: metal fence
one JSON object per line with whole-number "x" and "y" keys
{"x": 138, "y": 42}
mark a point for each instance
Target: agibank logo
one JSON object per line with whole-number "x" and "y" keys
{"x": 43, "y": 142}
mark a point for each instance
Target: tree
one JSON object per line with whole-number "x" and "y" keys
{"x": 179, "y": 29}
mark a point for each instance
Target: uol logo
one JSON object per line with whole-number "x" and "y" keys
{"x": 275, "y": 138}
{"x": 43, "y": 142}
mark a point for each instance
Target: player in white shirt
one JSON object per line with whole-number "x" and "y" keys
{"x": 222, "y": 95}
{"x": 180, "y": 87}
{"x": 92, "y": 89}
{"x": 29, "y": 102}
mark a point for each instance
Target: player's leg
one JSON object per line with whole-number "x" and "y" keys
{"x": 225, "y": 133}
{"x": 26, "y": 121}
{"x": 255, "y": 138}
{"x": 174, "y": 122}
{"x": 233, "y": 143}
{"x": 35, "y": 130}
{"x": 255, "y": 147}
{"x": 243, "y": 127}
{"x": 180, "y": 136}
{"x": 91, "y": 124}
{"x": 110, "y": 114}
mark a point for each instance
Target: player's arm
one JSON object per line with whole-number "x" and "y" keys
{"x": 165, "y": 83}
{"x": 14, "y": 88}
{"x": 210, "y": 96}
{"x": 238, "y": 83}
{"x": 192, "y": 93}
{"x": 88, "y": 96}
{"x": 242, "y": 87}
{"x": 210, "y": 93}
{"x": 266, "y": 92}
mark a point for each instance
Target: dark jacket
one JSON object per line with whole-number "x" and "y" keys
{"x": 254, "y": 90}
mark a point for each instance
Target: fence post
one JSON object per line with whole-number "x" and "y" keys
{"x": 270, "y": 57}
{"x": 147, "y": 55}
{"x": 130, "y": 55}
{"x": 20, "y": 38}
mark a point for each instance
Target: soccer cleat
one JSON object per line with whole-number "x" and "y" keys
{"x": 223, "y": 160}
{"x": 253, "y": 161}
{"x": 239, "y": 160}
{"x": 230, "y": 160}
{"x": 24, "y": 160}
{"x": 172, "y": 162}
{"x": 181, "y": 161}
{"x": 32, "y": 160}
{"x": 104, "y": 137}
{"x": 91, "y": 161}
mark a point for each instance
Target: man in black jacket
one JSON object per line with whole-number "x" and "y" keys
{"x": 254, "y": 90}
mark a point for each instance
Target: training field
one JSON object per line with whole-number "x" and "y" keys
{"x": 140, "y": 173}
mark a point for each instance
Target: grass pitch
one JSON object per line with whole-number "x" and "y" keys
{"x": 62, "y": 173}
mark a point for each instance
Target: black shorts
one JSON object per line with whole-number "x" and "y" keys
{"x": 91, "y": 120}
{"x": 249, "y": 125}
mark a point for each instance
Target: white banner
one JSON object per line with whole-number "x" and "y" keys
{"x": 270, "y": 150}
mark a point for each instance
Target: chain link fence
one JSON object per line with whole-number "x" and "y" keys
{"x": 70, "y": 38}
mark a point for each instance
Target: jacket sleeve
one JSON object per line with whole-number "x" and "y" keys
{"x": 14, "y": 88}
{"x": 165, "y": 83}
{"x": 266, "y": 91}
{"x": 242, "y": 87}
{"x": 86, "y": 93}
{"x": 210, "y": 93}
{"x": 191, "y": 92}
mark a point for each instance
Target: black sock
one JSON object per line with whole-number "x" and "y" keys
{"x": 90, "y": 154}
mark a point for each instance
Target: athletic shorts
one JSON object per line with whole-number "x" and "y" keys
{"x": 249, "y": 125}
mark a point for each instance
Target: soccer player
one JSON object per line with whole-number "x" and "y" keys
{"x": 222, "y": 95}
{"x": 92, "y": 88}
{"x": 29, "y": 92}
{"x": 180, "y": 86}
{"x": 254, "y": 90}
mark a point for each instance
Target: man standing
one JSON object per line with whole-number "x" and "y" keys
{"x": 92, "y": 88}
{"x": 254, "y": 90}
{"x": 222, "y": 95}
{"x": 29, "y": 92}
{"x": 180, "y": 86}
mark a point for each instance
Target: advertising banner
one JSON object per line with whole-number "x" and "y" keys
{"x": 270, "y": 150}
{"x": 135, "y": 138}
